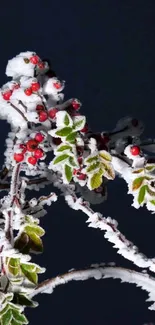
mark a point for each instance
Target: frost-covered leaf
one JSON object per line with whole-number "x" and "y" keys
{"x": 68, "y": 172}
{"x": 29, "y": 274}
{"x": 89, "y": 160}
{"x": 6, "y": 318}
{"x": 150, "y": 167}
{"x": 60, "y": 159}
{"x": 14, "y": 266}
{"x": 79, "y": 123}
{"x": 71, "y": 137}
{"x": 103, "y": 154}
{"x": 95, "y": 180}
{"x": 137, "y": 183}
{"x": 138, "y": 171}
{"x": 108, "y": 170}
{"x": 64, "y": 131}
{"x": 39, "y": 231}
{"x": 23, "y": 300}
{"x": 73, "y": 162}
{"x": 64, "y": 147}
{"x": 63, "y": 118}
{"x": 93, "y": 167}
{"x": 19, "y": 317}
{"x": 67, "y": 119}
{"x": 141, "y": 195}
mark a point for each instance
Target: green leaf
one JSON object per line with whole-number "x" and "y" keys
{"x": 105, "y": 155}
{"x": 64, "y": 147}
{"x": 141, "y": 195}
{"x": 108, "y": 170}
{"x": 138, "y": 171}
{"x": 19, "y": 317}
{"x": 95, "y": 181}
{"x": 13, "y": 266}
{"x": 22, "y": 243}
{"x": 39, "y": 231}
{"x": 153, "y": 202}
{"x": 68, "y": 173}
{"x": 64, "y": 132}
{"x": 80, "y": 123}
{"x": 31, "y": 276}
{"x": 72, "y": 162}
{"x": 91, "y": 159}
{"x": 23, "y": 300}
{"x": 137, "y": 183}
{"x": 28, "y": 267}
{"x": 66, "y": 119}
{"x": 14, "y": 322}
{"x": 92, "y": 167}
{"x": 71, "y": 137}
{"x": 150, "y": 167}
{"x": 6, "y": 318}
{"x": 60, "y": 159}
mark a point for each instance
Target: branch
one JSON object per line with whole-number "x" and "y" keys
{"x": 145, "y": 281}
{"x": 125, "y": 247}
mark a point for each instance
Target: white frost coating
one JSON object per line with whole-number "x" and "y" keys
{"x": 16, "y": 67}
{"x": 48, "y": 87}
{"x": 125, "y": 247}
{"x": 144, "y": 281}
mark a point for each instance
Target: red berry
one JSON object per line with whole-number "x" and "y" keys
{"x": 32, "y": 160}
{"x": 57, "y": 84}
{"x": 41, "y": 65}
{"x": 134, "y": 122}
{"x": 28, "y": 91}
{"x": 18, "y": 157}
{"x": 35, "y": 86}
{"x": 39, "y": 137}
{"x": 32, "y": 145}
{"x": 52, "y": 113}
{"x": 85, "y": 129}
{"x": 81, "y": 177}
{"x": 76, "y": 104}
{"x": 43, "y": 116}
{"x": 7, "y": 94}
{"x": 135, "y": 150}
{"x": 24, "y": 147}
{"x": 56, "y": 141}
{"x": 34, "y": 59}
{"x": 76, "y": 171}
{"x": 39, "y": 108}
{"x": 38, "y": 153}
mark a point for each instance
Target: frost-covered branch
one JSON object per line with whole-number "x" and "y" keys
{"x": 143, "y": 280}
{"x": 46, "y": 128}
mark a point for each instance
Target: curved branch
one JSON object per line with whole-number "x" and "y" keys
{"x": 143, "y": 280}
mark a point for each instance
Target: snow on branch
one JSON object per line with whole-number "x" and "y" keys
{"x": 144, "y": 281}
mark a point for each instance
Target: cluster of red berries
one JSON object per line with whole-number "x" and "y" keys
{"x": 36, "y": 61}
{"x": 35, "y": 86}
{"x": 44, "y": 115}
{"x": 8, "y": 93}
{"x": 31, "y": 146}
{"x": 135, "y": 150}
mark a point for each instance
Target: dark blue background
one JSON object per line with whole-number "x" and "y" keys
{"x": 105, "y": 50}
